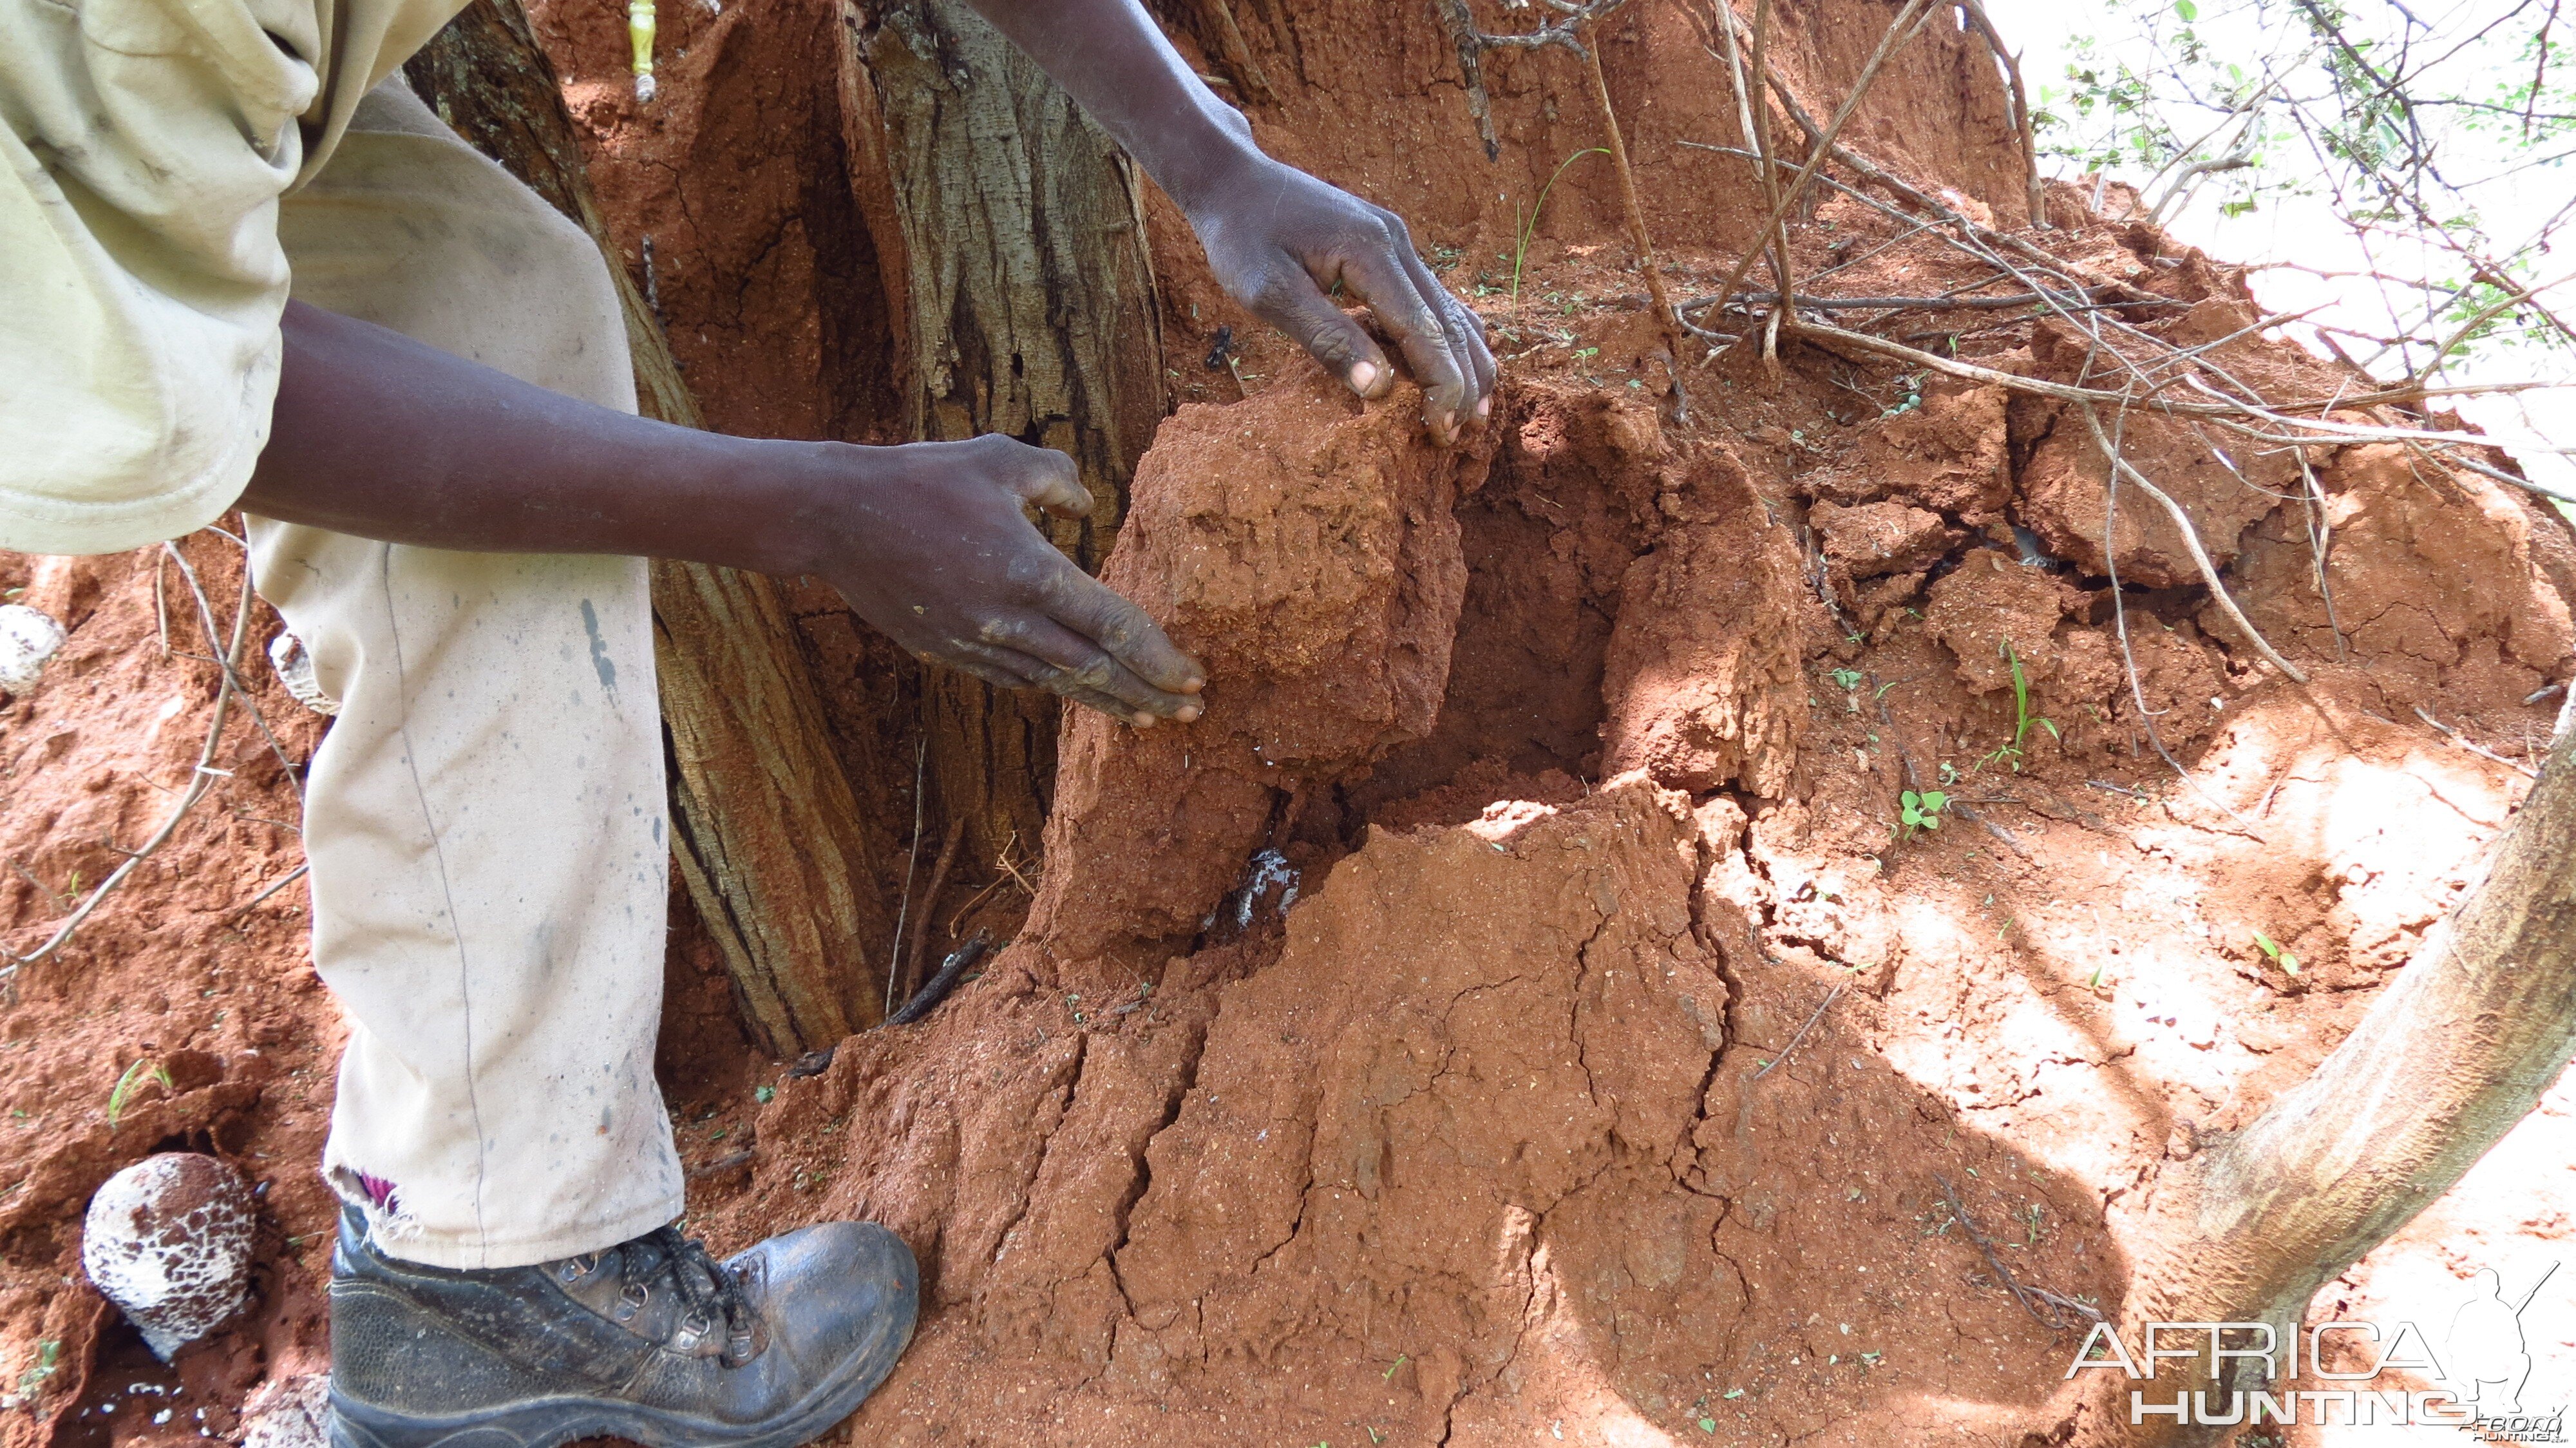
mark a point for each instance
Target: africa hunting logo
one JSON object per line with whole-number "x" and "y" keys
{"x": 2480, "y": 1369}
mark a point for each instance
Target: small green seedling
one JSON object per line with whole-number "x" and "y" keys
{"x": 49, "y": 1354}
{"x": 2022, "y": 717}
{"x": 126, "y": 1085}
{"x": 764, "y": 1094}
{"x": 2275, "y": 953}
{"x": 1847, "y": 679}
{"x": 1921, "y": 811}
{"x": 1913, "y": 398}
{"x": 1526, "y": 229}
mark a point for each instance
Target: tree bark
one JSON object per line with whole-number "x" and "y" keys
{"x": 764, "y": 825}
{"x": 2456, "y": 1050}
{"x": 1011, "y": 238}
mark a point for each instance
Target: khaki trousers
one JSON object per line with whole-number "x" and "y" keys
{"x": 485, "y": 818}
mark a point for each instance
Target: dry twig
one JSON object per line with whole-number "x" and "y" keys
{"x": 1818, "y": 1014}
{"x": 2062, "y": 1311}
{"x": 1908, "y": 23}
{"x": 2191, "y": 544}
{"x": 1665, "y": 317}
{"x": 201, "y": 779}
{"x": 930, "y": 899}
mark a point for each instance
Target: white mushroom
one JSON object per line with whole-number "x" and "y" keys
{"x": 168, "y": 1241}
{"x": 27, "y": 639}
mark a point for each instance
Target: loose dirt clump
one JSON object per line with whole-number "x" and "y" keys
{"x": 1306, "y": 550}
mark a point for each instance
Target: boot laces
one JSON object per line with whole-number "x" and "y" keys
{"x": 707, "y": 1289}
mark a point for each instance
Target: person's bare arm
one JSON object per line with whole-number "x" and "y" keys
{"x": 1277, "y": 238}
{"x": 380, "y": 436}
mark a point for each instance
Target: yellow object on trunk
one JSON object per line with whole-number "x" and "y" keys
{"x": 639, "y": 32}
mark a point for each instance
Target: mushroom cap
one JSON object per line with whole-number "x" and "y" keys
{"x": 168, "y": 1240}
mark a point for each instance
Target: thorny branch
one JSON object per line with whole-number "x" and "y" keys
{"x": 1473, "y": 41}
{"x": 1566, "y": 30}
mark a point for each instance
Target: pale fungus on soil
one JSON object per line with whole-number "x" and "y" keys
{"x": 168, "y": 1240}
{"x": 28, "y": 638}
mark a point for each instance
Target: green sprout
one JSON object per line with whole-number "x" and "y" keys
{"x": 1921, "y": 811}
{"x": 2022, "y": 717}
{"x": 1529, "y": 228}
{"x": 2275, "y": 953}
{"x": 48, "y": 1358}
{"x": 132, "y": 1081}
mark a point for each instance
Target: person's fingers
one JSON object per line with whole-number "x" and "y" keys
{"x": 966, "y": 663}
{"x": 1039, "y": 476}
{"x": 1470, "y": 330}
{"x": 1010, "y": 669}
{"x": 1288, "y": 298}
{"x": 1095, "y": 611}
{"x": 1465, "y": 330}
{"x": 1419, "y": 331}
{"x": 1078, "y": 664}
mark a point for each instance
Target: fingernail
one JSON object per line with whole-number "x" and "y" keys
{"x": 1141, "y": 719}
{"x": 1188, "y": 712}
{"x": 1193, "y": 684}
{"x": 1485, "y": 406}
{"x": 1363, "y": 376}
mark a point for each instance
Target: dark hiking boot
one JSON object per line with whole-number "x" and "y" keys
{"x": 651, "y": 1340}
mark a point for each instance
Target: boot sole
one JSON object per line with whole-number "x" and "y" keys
{"x": 549, "y": 1422}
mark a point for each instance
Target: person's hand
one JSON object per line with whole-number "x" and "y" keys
{"x": 1279, "y": 240}
{"x": 928, "y": 543}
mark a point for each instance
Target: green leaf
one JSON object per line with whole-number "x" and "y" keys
{"x": 127, "y": 1084}
{"x": 1935, "y": 801}
{"x": 764, "y": 1094}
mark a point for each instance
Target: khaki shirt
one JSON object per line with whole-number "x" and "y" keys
{"x": 145, "y": 145}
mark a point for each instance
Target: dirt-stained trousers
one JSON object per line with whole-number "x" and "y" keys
{"x": 485, "y": 817}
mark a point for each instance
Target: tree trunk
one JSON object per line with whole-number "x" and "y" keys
{"x": 764, "y": 825}
{"x": 2456, "y": 1050}
{"x": 1012, "y": 241}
